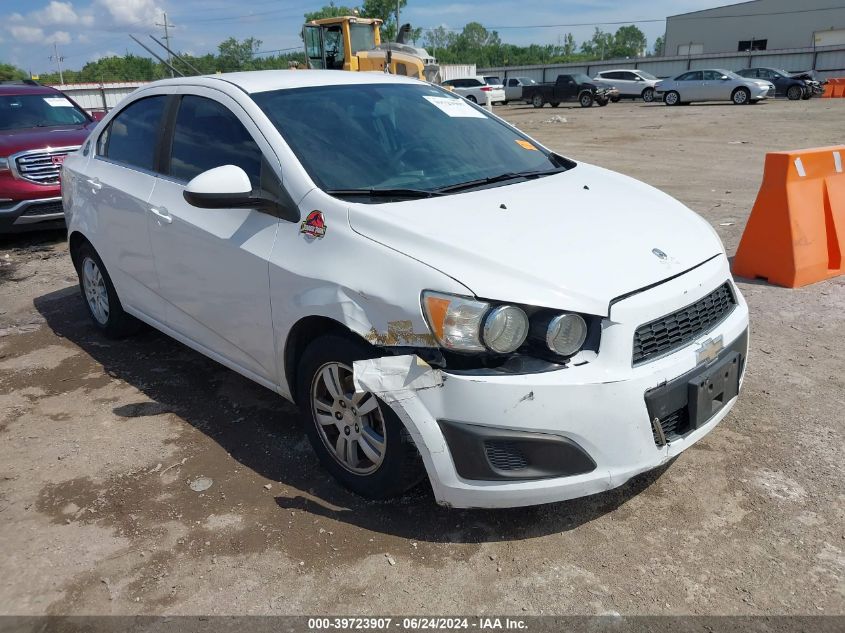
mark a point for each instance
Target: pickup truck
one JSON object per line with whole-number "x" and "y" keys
{"x": 578, "y": 87}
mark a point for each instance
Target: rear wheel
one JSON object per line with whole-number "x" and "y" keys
{"x": 100, "y": 297}
{"x": 554, "y": 104}
{"x": 648, "y": 95}
{"x": 471, "y": 98}
{"x": 357, "y": 437}
{"x": 671, "y": 98}
{"x": 794, "y": 93}
{"x": 586, "y": 99}
{"x": 537, "y": 101}
{"x": 505, "y": 102}
{"x": 741, "y": 96}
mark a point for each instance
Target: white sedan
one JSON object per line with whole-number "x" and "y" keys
{"x": 713, "y": 85}
{"x": 417, "y": 275}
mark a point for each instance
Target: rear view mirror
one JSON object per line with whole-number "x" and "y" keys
{"x": 723, "y": 77}
{"x": 228, "y": 187}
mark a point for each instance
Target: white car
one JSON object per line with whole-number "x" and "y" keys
{"x": 713, "y": 85}
{"x": 631, "y": 84}
{"x": 419, "y": 276}
{"x": 476, "y": 89}
{"x": 513, "y": 88}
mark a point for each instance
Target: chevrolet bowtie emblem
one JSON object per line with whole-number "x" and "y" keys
{"x": 709, "y": 350}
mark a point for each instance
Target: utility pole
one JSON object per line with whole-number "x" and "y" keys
{"x": 167, "y": 26}
{"x": 58, "y": 59}
{"x": 397, "y": 19}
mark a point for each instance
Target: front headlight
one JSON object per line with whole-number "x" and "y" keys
{"x": 566, "y": 334}
{"x": 4, "y": 163}
{"x": 505, "y": 329}
{"x": 455, "y": 321}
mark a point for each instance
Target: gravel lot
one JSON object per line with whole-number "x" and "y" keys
{"x": 99, "y": 441}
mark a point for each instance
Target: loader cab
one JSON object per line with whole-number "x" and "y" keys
{"x": 333, "y": 43}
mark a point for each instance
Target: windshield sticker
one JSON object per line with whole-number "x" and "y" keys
{"x": 526, "y": 145}
{"x": 454, "y": 107}
{"x": 314, "y": 226}
{"x": 58, "y": 102}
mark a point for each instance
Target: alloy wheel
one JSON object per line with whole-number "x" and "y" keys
{"x": 351, "y": 425}
{"x": 96, "y": 293}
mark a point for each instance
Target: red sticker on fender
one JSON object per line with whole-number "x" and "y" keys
{"x": 314, "y": 225}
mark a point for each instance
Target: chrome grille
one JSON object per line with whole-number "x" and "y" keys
{"x": 41, "y": 166}
{"x": 675, "y": 330}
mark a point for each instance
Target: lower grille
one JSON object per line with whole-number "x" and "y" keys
{"x": 675, "y": 330}
{"x": 504, "y": 455}
{"x": 47, "y": 208}
{"x": 675, "y": 425}
{"x": 42, "y": 166}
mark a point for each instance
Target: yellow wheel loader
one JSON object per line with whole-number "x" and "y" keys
{"x": 353, "y": 43}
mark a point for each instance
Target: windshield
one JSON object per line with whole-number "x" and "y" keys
{"x": 493, "y": 81}
{"x": 47, "y": 110}
{"x": 646, "y": 75}
{"x": 391, "y": 136}
{"x": 582, "y": 79}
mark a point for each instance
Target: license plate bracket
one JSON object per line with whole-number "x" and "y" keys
{"x": 712, "y": 388}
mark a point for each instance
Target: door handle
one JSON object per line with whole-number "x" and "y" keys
{"x": 96, "y": 185}
{"x": 162, "y": 215}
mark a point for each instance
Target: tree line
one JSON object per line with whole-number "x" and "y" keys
{"x": 474, "y": 44}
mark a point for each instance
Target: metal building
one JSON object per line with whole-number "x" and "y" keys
{"x": 757, "y": 26}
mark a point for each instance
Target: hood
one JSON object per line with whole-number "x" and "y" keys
{"x": 572, "y": 241}
{"x": 13, "y": 141}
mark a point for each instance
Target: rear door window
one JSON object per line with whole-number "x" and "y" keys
{"x": 206, "y": 135}
{"x": 132, "y": 136}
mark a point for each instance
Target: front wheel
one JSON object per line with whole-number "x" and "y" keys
{"x": 537, "y": 101}
{"x": 357, "y": 437}
{"x": 100, "y": 297}
{"x": 741, "y": 96}
{"x": 794, "y": 93}
{"x": 671, "y": 98}
{"x": 586, "y": 100}
{"x": 648, "y": 95}
{"x": 616, "y": 99}
{"x": 807, "y": 93}
{"x": 602, "y": 102}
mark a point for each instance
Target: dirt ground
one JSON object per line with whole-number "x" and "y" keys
{"x": 100, "y": 441}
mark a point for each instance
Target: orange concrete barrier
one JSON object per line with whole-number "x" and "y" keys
{"x": 796, "y": 232}
{"x": 838, "y": 90}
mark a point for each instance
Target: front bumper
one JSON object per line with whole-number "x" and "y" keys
{"x": 24, "y": 215}
{"x": 600, "y": 407}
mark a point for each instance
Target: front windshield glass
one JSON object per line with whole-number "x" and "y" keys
{"x": 390, "y": 136}
{"x": 45, "y": 110}
{"x": 646, "y": 75}
{"x": 582, "y": 79}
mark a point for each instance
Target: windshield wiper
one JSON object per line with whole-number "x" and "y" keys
{"x": 383, "y": 193}
{"x": 511, "y": 175}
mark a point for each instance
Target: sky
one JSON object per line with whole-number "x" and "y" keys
{"x": 84, "y": 30}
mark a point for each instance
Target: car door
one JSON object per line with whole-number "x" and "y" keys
{"x": 212, "y": 264}
{"x": 121, "y": 179}
{"x": 712, "y": 87}
{"x": 565, "y": 89}
{"x": 513, "y": 89}
{"x": 624, "y": 81}
{"x": 689, "y": 86}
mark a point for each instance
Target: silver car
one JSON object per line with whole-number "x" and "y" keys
{"x": 513, "y": 87}
{"x": 631, "y": 83}
{"x": 713, "y": 85}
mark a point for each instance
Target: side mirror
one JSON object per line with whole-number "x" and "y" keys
{"x": 724, "y": 77}
{"x": 228, "y": 187}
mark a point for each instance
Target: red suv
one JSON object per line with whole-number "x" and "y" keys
{"x": 39, "y": 126}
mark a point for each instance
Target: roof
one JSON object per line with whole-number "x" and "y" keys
{"x": 265, "y": 80}
{"x": 25, "y": 89}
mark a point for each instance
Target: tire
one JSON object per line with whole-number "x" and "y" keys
{"x": 648, "y": 95}
{"x": 807, "y": 93}
{"x": 391, "y": 464}
{"x": 585, "y": 99}
{"x": 471, "y": 98}
{"x": 794, "y": 93}
{"x": 741, "y": 96}
{"x": 554, "y": 104}
{"x": 602, "y": 102}
{"x": 537, "y": 101}
{"x": 616, "y": 99}
{"x": 505, "y": 102}
{"x": 100, "y": 297}
{"x": 672, "y": 98}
